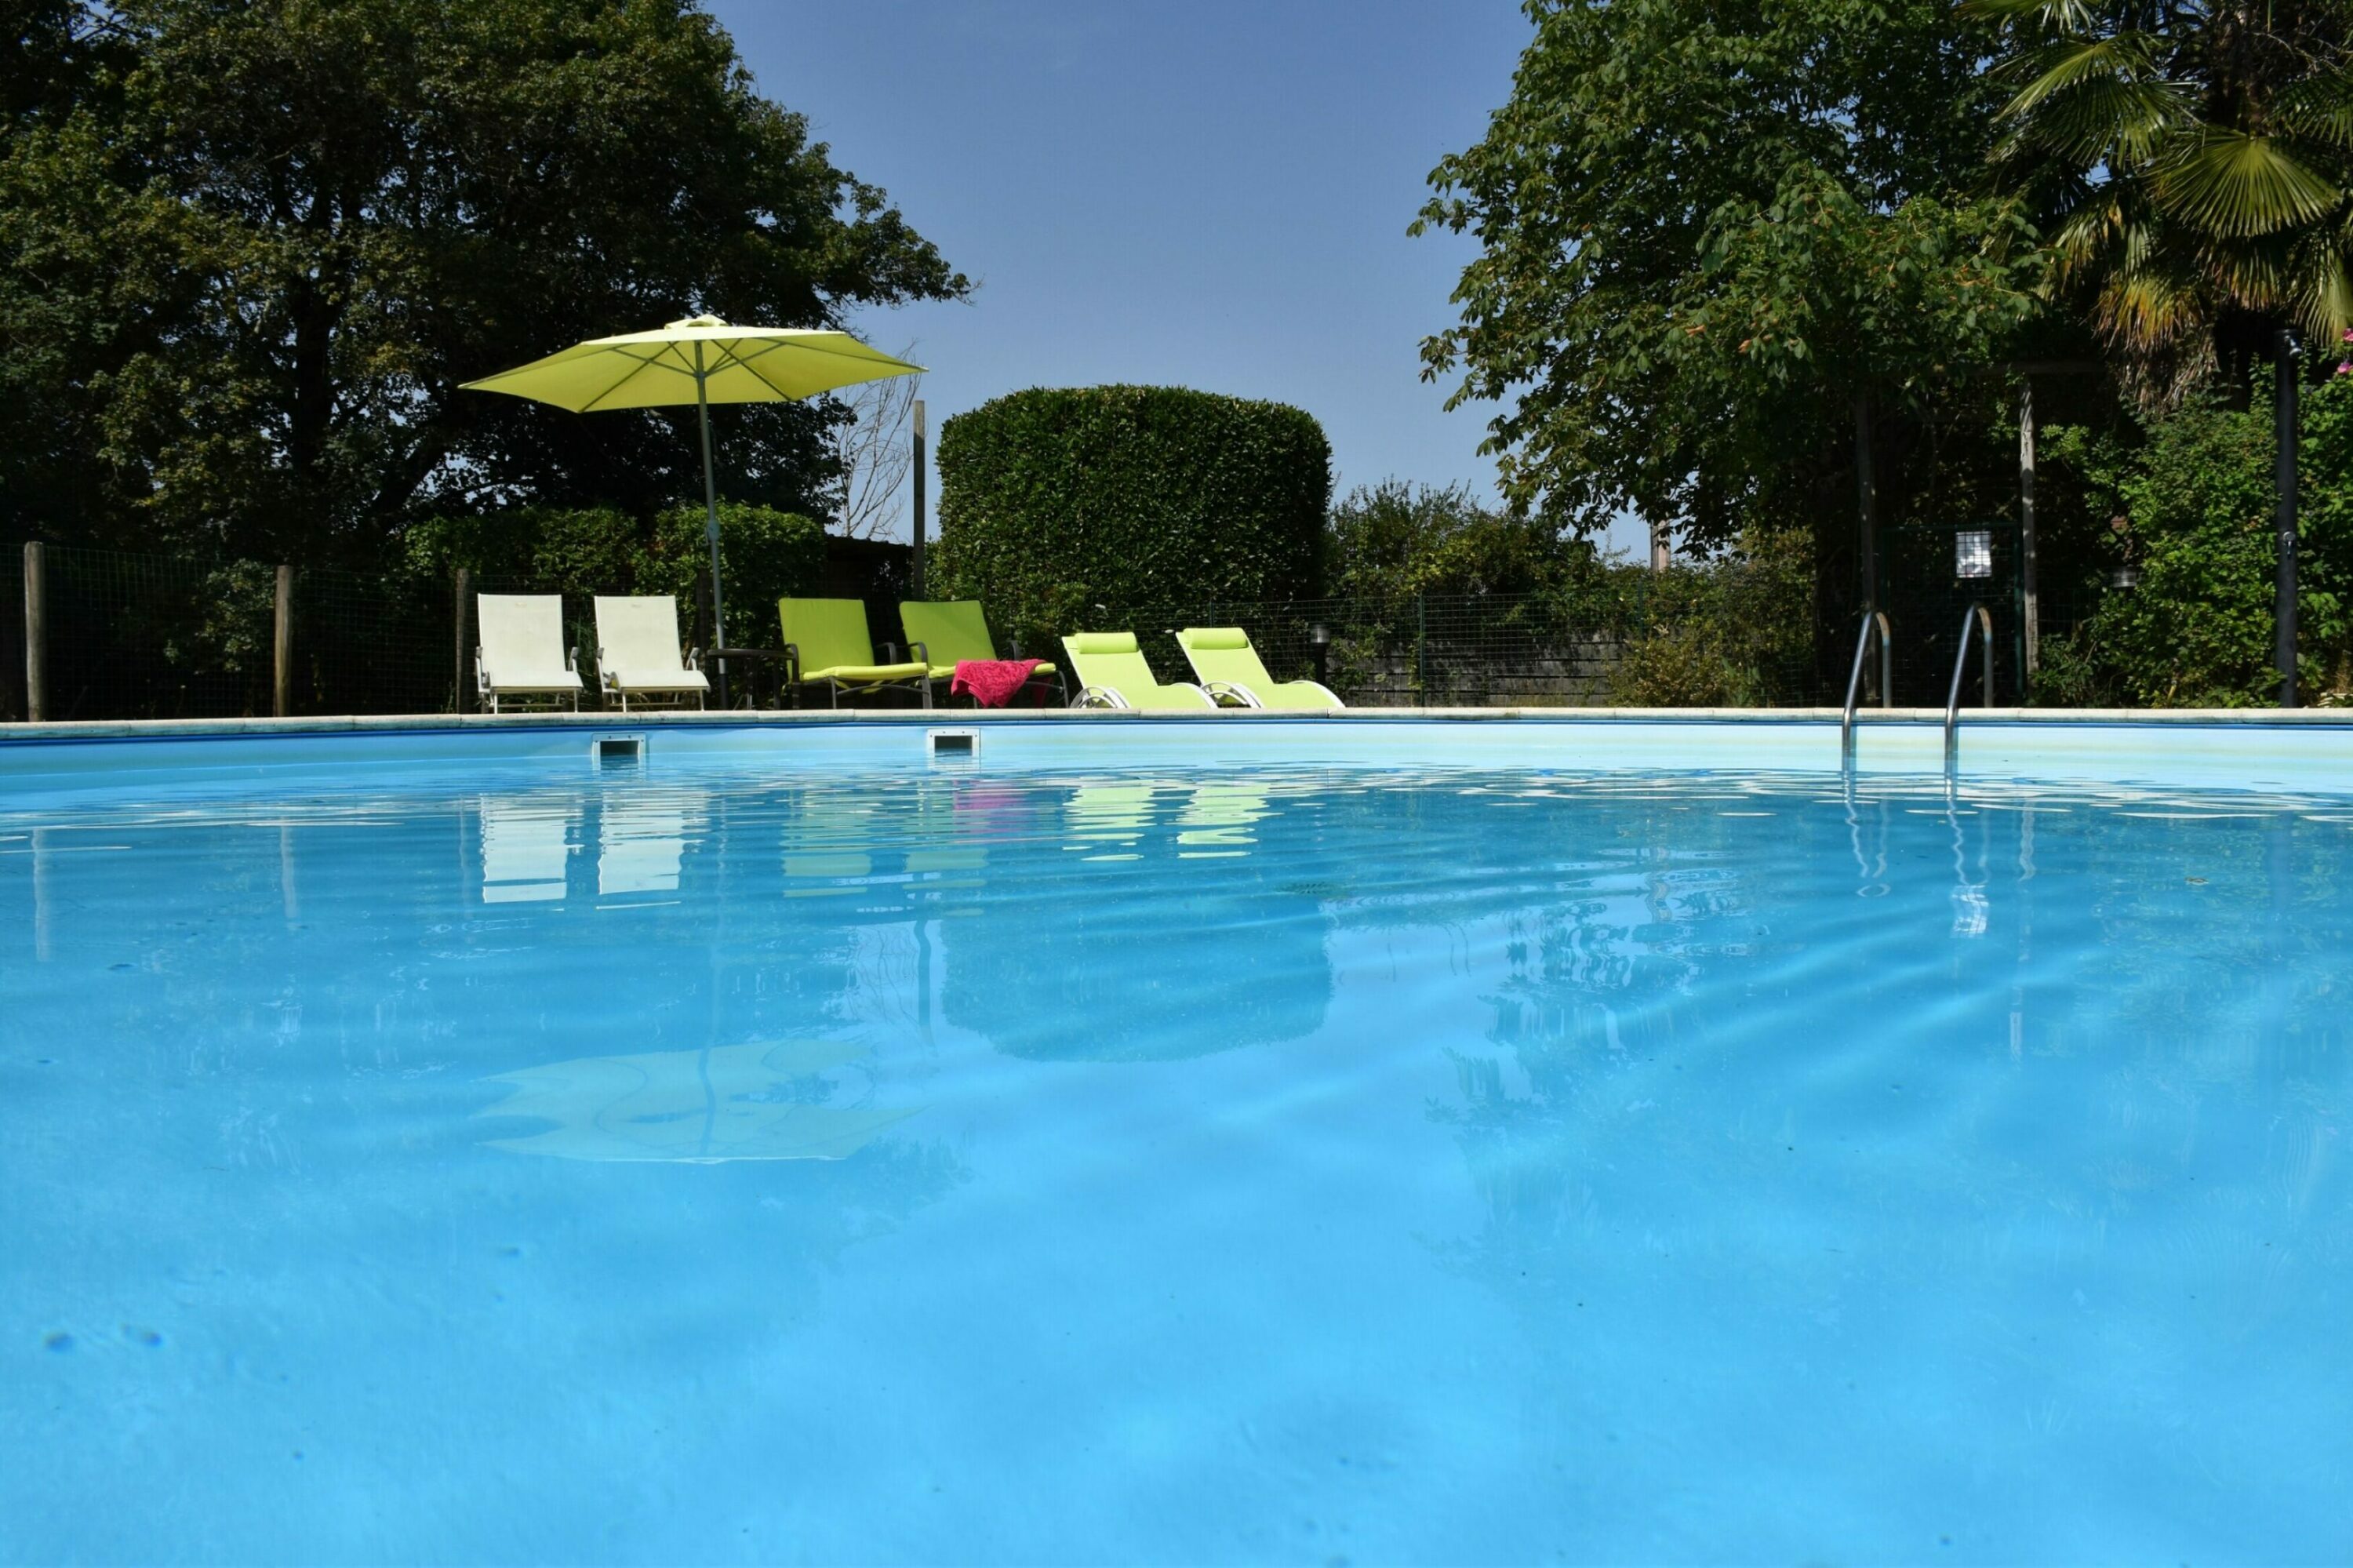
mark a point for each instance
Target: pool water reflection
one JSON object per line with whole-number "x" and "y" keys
{"x": 1292, "y": 1165}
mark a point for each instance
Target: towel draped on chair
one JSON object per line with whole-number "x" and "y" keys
{"x": 991, "y": 682}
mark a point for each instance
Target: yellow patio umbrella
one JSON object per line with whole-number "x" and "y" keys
{"x": 699, "y": 360}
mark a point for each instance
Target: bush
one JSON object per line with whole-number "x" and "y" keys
{"x": 1737, "y": 631}
{"x": 582, "y": 551}
{"x": 1052, "y": 502}
{"x": 2197, "y": 497}
{"x": 1394, "y": 539}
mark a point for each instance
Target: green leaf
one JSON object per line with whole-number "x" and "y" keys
{"x": 2229, "y": 183}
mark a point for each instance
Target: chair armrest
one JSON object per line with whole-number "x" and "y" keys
{"x": 918, "y": 655}
{"x": 793, "y": 664}
{"x": 572, "y": 659}
{"x": 695, "y": 658}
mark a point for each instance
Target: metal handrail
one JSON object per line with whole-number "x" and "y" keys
{"x": 1874, "y": 624}
{"x": 1984, "y": 619}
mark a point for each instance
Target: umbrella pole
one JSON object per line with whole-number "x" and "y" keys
{"x": 711, "y": 510}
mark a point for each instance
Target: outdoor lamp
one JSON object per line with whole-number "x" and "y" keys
{"x": 1319, "y": 644}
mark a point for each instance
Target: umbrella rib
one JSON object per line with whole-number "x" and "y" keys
{"x": 868, "y": 359}
{"x": 745, "y": 360}
{"x": 650, "y": 362}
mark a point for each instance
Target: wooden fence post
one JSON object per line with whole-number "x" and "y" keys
{"x": 37, "y": 635}
{"x": 282, "y": 689}
{"x": 458, "y": 692}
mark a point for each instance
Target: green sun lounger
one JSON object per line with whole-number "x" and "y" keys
{"x": 1231, "y": 673}
{"x": 1112, "y": 674}
{"x": 951, "y": 629}
{"x": 826, "y": 644}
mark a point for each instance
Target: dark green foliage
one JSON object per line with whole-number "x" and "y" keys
{"x": 2197, "y": 498}
{"x": 1737, "y": 631}
{"x": 2190, "y": 163}
{"x": 1734, "y": 630}
{"x": 580, "y": 552}
{"x": 1705, "y": 228}
{"x": 246, "y": 253}
{"x": 1052, "y": 502}
{"x": 1393, "y": 539}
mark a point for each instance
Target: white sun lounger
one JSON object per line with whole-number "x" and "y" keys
{"x": 519, "y": 651}
{"x": 637, "y": 653}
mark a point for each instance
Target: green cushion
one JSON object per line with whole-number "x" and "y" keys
{"x": 1214, "y": 637}
{"x": 849, "y": 674}
{"x": 944, "y": 671}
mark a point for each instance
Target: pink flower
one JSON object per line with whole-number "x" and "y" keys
{"x": 2344, "y": 367}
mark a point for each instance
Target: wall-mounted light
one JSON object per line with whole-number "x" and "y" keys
{"x": 1973, "y": 553}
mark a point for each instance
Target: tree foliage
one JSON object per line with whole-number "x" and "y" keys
{"x": 248, "y": 250}
{"x": 1704, "y": 229}
{"x": 2193, "y": 161}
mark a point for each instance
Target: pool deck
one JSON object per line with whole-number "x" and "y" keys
{"x": 1867, "y": 719}
{"x": 2305, "y": 750}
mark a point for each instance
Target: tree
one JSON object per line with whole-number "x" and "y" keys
{"x": 248, "y": 250}
{"x": 2192, "y": 161}
{"x": 874, "y": 449}
{"x": 1704, "y": 229}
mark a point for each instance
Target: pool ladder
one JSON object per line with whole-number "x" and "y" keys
{"x": 1874, "y": 628}
{"x": 1982, "y": 619}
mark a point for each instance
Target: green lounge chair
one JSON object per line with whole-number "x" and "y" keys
{"x": 826, "y": 645}
{"x": 951, "y": 629}
{"x": 1230, "y": 672}
{"x": 1112, "y": 674}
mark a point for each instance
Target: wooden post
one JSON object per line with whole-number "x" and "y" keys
{"x": 36, "y": 636}
{"x": 282, "y": 644}
{"x": 2030, "y": 595}
{"x": 465, "y": 582}
{"x": 1661, "y": 553}
{"x": 922, "y": 474}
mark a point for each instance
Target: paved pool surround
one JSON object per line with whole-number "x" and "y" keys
{"x": 2303, "y": 749}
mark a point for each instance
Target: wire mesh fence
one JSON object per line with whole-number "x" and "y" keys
{"x": 125, "y": 636}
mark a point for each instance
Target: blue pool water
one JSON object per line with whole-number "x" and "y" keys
{"x": 1284, "y": 1165}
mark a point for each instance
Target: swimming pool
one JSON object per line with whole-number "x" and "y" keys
{"x": 718, "y": 1157}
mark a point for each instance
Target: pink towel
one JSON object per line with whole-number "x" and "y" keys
{"x": 991, "y": 681}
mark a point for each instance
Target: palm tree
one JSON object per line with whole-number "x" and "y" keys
{"x": 2190, "y": 163}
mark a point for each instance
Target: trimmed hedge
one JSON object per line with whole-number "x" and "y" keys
{"x": 581, "y": 551}
{"x": 1053, "y": 501}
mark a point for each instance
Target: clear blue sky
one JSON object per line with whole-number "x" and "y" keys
{"x": 1211, "y": 194}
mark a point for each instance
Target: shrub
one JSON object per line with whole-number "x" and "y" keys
{"x": 2197, "y": 497}
{"x": 583, "y": 551}
{"x": 1737, "y": 631}
{"x": 1393, "y": 539}
{"x": 1054, "y": 502}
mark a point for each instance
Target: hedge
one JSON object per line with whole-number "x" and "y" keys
{"x": 767, "y": 554}
{"x": 1055, "y": 502}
